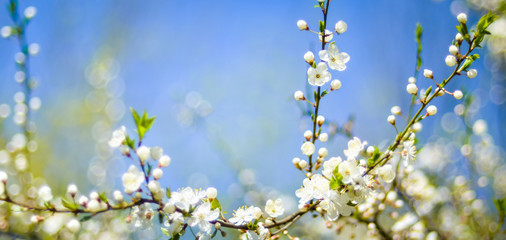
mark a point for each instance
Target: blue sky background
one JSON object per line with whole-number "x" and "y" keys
{"x": 246, "y": 59}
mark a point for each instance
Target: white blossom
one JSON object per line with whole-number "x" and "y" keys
{"x": 386, "y": 173}
{"x": 175, "y": 223}
{"x": 408, "y": 152}
{"x": 336, "y": 204}
{"x": 330, "y": 165}
{"x": 349, "y": 171}
{"x": 118, "y": 136}
{"x": 186, "y": 198}
{"x": 142, "y": 216}
{"x": 355, "y": 146}
{"x": 319, "y": 75}
{"x": 336, "y": 60}
{"x": 132, "y": 179}
{"x": 315, "y": 187}
{"x": 45, "y": 193}
{"x": 274, "y": 208}
{"x": 245, "y": 215}
{"x": 202, "y": 217}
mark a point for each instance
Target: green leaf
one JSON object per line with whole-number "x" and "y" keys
{"x": 324, "y": 93}
{"x": 148, "y": 169}
{"x": 429, "y": 90}
{"x": 167, "y": 192}
{"x": 375, "y": 156}
{"x": 166, "y": 232}
{"x": 103, "y": 197}
{"x": 85, "y": 218}
{"x": 215, "y": 204}
{"x": 418, "y": 34}
{"x": 468, "y": 62}
{"x": 322, "y": 26}
{"x": 130, "y": 142}
{"x": 136, "y": 116}
{"x": 69, "y": 204}
{"x": 334, "y": 184}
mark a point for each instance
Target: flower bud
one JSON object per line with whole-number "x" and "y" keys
{"x": 328, "y": 36}
{"x": 416, "y": 127}
{"x": 335, "y": 84}
{"x": 169, "y": 208}
{"x": 302, "y": 25}
{"x": 3, "y": 177}
{"x": 143, "y": 153}
{"x": 428, "y": 73}
{"x": 157, "y": 173}
{"x": 458, "y": 94}
{"x": 125, "y": 150}
{"x": 453, "y": 50}
{"x": 73, "y": 225}
{"x": 341, "y": 27}
{"x": 94, "y": 195}
{"x": 308, "y": 135}
{"x": 412, "y": 80}
{"x": 30, "y": 12}
{"x": 156, "y": 152}
{"x": 395, "y": 110}
{"x": 440, "y": 92}
{"x": 462, "y": 18}
{"x": 450, "y": 60}
{"x": 118, "y": 196}
{"x": 302, "y": 164}
{"x": 412, "y": 89}
{"x": 431, "y": 110}
{"x": 391, "y": 119}
{"x": 211, "y": 193}
{"x": 307, "y": 148}
{"x": 296, "y": 161}
{"x": 83, "y": 200}
{"x": 472, "y": 73}
{"x": 164, "y": 161}
{"x": 370, "y": 150}
{"x": 323, "y": 137}
{"x": 72, "y": 190}
{"x": 323, "y": 152}
{"x": 320, "y": 120}
{"x": 309, "y": 57}
{"x": 299, "y": 95}
{"x": 459, "y": 37}
{"x": 6, "y": 31}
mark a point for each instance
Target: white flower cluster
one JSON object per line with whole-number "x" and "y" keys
{"x": 342, "y": 184}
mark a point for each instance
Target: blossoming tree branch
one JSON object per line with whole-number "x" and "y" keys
{"x": 364, "y": 187}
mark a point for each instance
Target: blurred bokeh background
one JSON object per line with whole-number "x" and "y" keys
{"x": 220, "y": 77}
